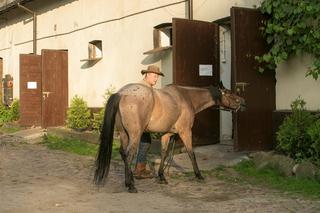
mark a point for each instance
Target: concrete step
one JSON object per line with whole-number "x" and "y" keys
{"x": 32, "y": 135}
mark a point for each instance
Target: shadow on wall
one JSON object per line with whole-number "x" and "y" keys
{"x": 89, "y": 64}
{"x": 153, "y": 58}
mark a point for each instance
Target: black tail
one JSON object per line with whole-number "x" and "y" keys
{"x": 106, "y": 139}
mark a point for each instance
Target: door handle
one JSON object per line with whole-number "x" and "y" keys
{"x": 240, "y": 86}
{"x": 45, "y": 95}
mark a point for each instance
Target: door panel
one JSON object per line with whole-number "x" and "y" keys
{"x": 197, "y": 43}
{"x": 1, "y": 76}
{"x": 253, "y": 127}
{"x": 30, "y": 90}
{"x": 55, "y": 87}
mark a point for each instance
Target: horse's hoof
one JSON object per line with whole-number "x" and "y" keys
{"x": 132, "y": 190}
{"x": 200, "y": 177}
{"x": 163, "y": 181}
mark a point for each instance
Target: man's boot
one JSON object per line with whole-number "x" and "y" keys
{"x": 141, "y": 172}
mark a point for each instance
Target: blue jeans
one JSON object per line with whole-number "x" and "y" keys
{"x": 144, "y": 145}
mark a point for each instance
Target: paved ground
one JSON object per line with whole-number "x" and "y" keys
{"x": 35, "y": 179}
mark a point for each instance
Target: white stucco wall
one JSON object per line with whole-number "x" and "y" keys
{"x": 225, "y": 77}
{"x": 124, "y": 26}
{"x": 72, "y": 25}
{"x": 292, "y": 83}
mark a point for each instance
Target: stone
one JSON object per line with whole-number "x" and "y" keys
{"x": 305, "y": 170}
{"x": 281, "y": 163}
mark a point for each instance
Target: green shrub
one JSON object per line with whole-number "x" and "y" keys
{"x": 98, "y": 120}
{"x": 293, "y": 138}
{"x": 314, "y": 133}
{"x": 5, "y": 115}
{"x": 107, "y": 93}
{"x": 98, "y": 117}
{"x": 78, "y": 115}
{"x": 10, "y": 113}
{"x": 14, "y": 110}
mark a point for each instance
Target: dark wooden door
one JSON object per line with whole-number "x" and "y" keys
{"x": 195, "y": 45}
{"x": 30, "y": 90}
{"x": 55, "y": 87}
{"x": 253, "y": 127}
{"x": 1, "y": 77}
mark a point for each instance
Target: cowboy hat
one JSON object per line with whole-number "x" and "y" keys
{"x": 152, "y": 69}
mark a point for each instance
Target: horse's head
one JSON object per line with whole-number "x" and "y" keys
{"x": 227, "y": 99}
{"x": 230, "y": 100}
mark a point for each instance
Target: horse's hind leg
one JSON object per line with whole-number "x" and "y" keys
{"x": 186, "y": 137}
{"x": 164, "y": 147}
{"x": 129, "y": 181}
{"x": 129, "y": 143}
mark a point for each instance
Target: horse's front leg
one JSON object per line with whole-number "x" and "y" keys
{"x": 164, "y": 147}
{"x": 186, "y": 137}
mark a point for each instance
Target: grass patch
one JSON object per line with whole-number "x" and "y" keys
{"x": 273, "y": 179}
{"x": 9, "y": 129}
{"x": 77, "y": 146}
{"x": 246, "y": 173}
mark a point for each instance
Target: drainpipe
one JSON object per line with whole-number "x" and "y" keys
{"x": 190, "y": 9}
{"x": 34, "y": 26}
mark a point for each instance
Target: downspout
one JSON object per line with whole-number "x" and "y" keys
{"x": 190, "y": 9}
{"x": 34, "y": 26}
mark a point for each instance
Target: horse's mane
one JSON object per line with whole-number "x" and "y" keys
{"x": 214, "y": 91}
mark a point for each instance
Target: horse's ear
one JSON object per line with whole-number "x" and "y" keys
{"x": 221, "y": 85}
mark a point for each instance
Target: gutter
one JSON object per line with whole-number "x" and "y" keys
{"x": 34, "y": 26}
{"x": 190, "y": 9}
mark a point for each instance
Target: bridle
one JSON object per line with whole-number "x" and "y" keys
{"x": 217, "y": 94}
{"x": 228, "y": 108}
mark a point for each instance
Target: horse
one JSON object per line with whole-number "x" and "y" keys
{"x": 136, "y": 108}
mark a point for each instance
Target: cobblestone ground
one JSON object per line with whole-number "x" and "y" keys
{"x": 35, "y": 179}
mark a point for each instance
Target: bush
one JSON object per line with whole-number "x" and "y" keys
{"x": 10, "y": 113}
{"x": 98, "y": 120}
{"x": 78, "y": 115}
{"x": 14, "y": 110}
{"x": 297, "y": 136}
{"x": 314, "y": 133}
{"x": 98, "y": 117}
{"x": 5, "y": 115}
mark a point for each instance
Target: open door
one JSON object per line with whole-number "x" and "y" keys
{"x": 54, "y": 87}
{"x": 253, "y": 127}
{"x": 195, "y": 47}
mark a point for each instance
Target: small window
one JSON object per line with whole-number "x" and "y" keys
{"x": 162, "y": 38}
{"x": 94, "y": 50}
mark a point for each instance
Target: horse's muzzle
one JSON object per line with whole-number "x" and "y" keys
{"x": 242, "y": 106}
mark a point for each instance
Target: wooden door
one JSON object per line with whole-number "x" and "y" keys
{"x": 54, "y": 87}
{"x": 195, "y": 45}
{"x": 30, "y": 90}
{"x": 253, "y": 127}
{"x": 1, "y": 77}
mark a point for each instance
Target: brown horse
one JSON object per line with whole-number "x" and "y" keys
{"x": 136, "y": 108}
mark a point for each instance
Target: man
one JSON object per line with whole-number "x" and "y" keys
{"x": 150, "y": 79}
